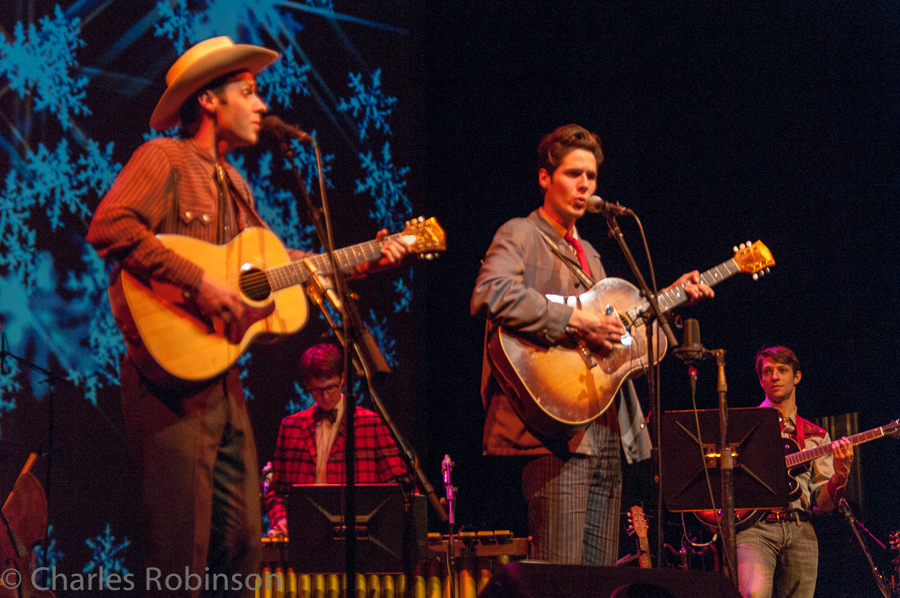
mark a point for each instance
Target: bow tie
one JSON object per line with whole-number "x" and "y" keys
{"x": 318, "y": 414}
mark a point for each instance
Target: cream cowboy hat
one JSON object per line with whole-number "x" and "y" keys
{"x": 198, "y": 66}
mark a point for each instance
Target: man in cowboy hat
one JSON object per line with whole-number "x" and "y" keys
{"x": 194, "y": 442}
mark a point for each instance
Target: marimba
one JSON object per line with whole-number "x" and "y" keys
{"x": 477, "y": 556}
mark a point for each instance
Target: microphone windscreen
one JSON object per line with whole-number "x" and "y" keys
{"x": 691, "y": 336}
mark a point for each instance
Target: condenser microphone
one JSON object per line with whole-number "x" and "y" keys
{"x": 277, "y": 127}
{"x": 598, "y": 205}
{"x": 691, "y": 349}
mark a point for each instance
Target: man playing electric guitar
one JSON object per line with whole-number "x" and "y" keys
{"x": 194, "y": 443}
{"x": 572, "y": 484}
{"x": 778, "y": 556}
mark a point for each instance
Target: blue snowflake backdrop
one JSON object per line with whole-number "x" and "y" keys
{"x": 76, "y": 101}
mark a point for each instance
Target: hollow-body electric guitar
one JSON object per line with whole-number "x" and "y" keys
{"x": 170, "y": 340}
{"x": 560, "y": 389}
{"x": 796, "y": 463}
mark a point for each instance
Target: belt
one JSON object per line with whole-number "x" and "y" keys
{"x": 780, "y": 516}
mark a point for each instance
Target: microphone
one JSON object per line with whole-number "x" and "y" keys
{"x": 598, "y": 205}
{"x": 446, "y": 468}
{"x": 277, "y": 127}
{"x": 320, "y": 285}
{"x": 691, "y": 350}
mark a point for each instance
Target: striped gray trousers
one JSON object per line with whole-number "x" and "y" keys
{"x": 574, "y": 503}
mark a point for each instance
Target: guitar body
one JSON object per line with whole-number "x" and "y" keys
{"x": 743, "y": 518}
{"x": 167, "y": 337}
{"x": 25, "y": 512}
{"x": 563, "y": 388}
{"x": 797, "y": 462}
{"x": 173, "y": 344}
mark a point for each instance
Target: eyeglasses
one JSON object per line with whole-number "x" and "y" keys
{"x": 328, "y": 390}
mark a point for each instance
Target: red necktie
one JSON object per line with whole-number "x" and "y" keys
{"x": 579, "y": 251}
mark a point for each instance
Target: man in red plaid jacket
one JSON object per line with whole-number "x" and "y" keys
{"x": 310, "y": 448}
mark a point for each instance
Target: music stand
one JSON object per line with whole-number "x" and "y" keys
{"x": 760, "y": 471}
{"x": 388, "y": 538}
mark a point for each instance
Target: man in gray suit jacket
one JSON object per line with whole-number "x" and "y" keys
{"x": 572, "y": 484}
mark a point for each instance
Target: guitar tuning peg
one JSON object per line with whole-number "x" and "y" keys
{"x": 735, "y": 249}
{"x": 756, "y": 276}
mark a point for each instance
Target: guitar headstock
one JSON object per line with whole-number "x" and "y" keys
{"x": 425, "y": 237}
{"x": 753, "y": 258}
{"x": 638, "y": 521}
{"x": 892, "y": 429}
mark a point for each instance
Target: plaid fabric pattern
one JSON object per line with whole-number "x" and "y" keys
{"x": 377, "y": 456}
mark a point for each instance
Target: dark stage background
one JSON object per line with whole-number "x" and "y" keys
{"x": 720, "y": 125}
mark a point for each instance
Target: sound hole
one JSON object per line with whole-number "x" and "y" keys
{"x": 254, "y": 284}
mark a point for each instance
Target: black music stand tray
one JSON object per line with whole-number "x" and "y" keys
{"x": 760, "y": 471}
{"x": 388, "y": 537}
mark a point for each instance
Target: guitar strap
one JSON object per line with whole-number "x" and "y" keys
{"x": 586, "y": 280}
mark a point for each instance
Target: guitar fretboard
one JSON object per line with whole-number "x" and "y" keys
{"x": 820, "y": 451}
{"x": 676, "y": 296}
{"x": 286, "y": 275}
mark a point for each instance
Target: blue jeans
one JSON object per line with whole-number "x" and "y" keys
{"x": 573, "y": 506}
{"x": 778, "y": 559}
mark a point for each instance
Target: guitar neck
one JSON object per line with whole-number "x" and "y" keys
{"x": 795, "y": 459}
{"x": 675, "y": 296}
{"x": 346, "y": 259}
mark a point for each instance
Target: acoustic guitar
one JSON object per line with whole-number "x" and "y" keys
{"x": 24, "y": 520}
{"x": 561, "y": 389}
{"x": 639, "y": 526}
{"x": 796, "y": 463}
{"x": 170, "y": 340}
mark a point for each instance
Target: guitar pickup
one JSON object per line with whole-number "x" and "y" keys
{"x": 626, "y": 338}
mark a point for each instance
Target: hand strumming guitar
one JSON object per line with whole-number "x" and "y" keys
{"x": 598, "y": 332}
{"x": 214, "y": 298}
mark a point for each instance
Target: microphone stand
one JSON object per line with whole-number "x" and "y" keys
{"x": 51, "y": 380}
{"x": 726, "y": 465}
{"x": 355, "y": 338}
{"x": 879, "y": 579}
{"x": 321, "y": 219}
{"x": 652, "y": 365}
{"x": 691, "y": 354}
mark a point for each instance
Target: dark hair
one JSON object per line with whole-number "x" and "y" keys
{"x": 778, "y": 354}
{"x": 324, "y": 360}
{"x": 555, "y": 145}
{"x": 190, "y": 109}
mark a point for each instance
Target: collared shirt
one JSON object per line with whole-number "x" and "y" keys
{"x": 168, "y": 186}
{"x": 815, "y": 475}
{"x": 326, "y": 432}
